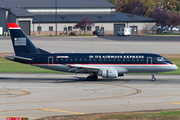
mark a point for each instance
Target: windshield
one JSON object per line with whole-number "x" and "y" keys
{"x": 161, "y": 59}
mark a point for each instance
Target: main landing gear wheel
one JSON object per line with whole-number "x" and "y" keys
{"x": 93, "y": 77}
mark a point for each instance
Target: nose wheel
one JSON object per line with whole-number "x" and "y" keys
{"x": 153, "y": 77}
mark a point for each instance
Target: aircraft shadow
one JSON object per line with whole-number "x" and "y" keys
{"x": 83, "y": 79}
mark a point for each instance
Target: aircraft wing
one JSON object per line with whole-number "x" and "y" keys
{"x": 83, "y": 68}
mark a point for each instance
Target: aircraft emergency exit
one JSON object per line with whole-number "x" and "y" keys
{"x": 107, "y": 65}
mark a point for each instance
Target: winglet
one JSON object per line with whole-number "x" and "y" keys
{"x": 13, "y": 25}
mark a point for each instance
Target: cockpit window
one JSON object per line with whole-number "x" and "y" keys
{"x": 160, "y": 59}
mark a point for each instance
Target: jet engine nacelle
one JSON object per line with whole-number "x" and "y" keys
{"x": 108, "y": 73}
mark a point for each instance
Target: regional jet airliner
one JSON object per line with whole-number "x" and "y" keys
{"x": 107, "y": 65}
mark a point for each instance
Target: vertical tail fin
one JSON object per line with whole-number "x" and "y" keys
{"x": 21, "y": 43}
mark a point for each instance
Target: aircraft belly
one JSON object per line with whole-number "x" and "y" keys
{"x": 149, "y": 68}
{"x": 120, "y": 69}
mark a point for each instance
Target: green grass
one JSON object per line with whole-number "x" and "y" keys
{"x": 167, "y": 34}
{"x": 168, "y": 115}
{"x": 7, "y": 66}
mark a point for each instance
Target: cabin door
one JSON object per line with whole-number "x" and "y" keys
{"x": 149, "y": 60}
{"x": 50, "y": 60}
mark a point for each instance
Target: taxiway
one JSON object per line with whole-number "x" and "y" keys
{"x": 42, "y": 95}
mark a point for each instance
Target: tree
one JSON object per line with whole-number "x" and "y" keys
{"x": 137, "y": 7}
{"x": 162, "y": 17}
{"x": 111, "y": 1}
{"x": 84, "y": 23}
{"x": 166, "y": 4}
{"x": 119, "y": 4}
{"x": 174, "y": 19}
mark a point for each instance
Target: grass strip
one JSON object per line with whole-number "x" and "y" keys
{"x": 7, "y": 66}
{"x": 167, "y": 115}
{"x": 143, "y": 115}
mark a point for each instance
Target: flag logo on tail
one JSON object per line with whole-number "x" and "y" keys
{"x": 19, "y": 41}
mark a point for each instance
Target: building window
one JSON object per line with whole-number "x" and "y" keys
{"x": 88, "y": 28}
{"x": 50, "y": 28}
{"x": 39, "y": 28}
{"x": 97, "y": 27}
{"x": 82, "y": 29}
{"x": 69, "y": 28}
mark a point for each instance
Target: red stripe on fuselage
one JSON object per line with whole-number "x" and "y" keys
{"x": 13, "y": 25}
{"x": 95, "y": 64}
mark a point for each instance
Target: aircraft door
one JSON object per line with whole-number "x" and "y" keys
{"x": 50, "y": 60}
{"x": 149, "y": 60}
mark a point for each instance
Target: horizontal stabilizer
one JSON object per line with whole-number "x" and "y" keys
{"x": 12, "y": 57}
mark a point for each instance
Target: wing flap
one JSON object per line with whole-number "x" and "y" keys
{"x": 83, "y": 68}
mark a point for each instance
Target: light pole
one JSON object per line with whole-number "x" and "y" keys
{"x": 56, "y": 16}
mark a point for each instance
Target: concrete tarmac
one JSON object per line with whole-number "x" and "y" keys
{"x": 42, "y": 95}
{"x": 112, "y": 44}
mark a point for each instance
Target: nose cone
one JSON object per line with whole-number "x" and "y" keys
{"x": 173, "y": 67}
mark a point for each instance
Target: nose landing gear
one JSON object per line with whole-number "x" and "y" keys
{"x": 153, "y": 77}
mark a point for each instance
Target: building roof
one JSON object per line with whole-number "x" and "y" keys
{"x": 60, "y": 3}
{"x": 95, "y": 17}
{"x": 18, "y": 7}
{"x": 20, "y": 11}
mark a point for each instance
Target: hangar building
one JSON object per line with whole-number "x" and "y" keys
{"x": 39, "y": 16}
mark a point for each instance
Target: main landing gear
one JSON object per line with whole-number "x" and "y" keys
{"x": 92, "y": 77}
{"x": 153, "y": 77}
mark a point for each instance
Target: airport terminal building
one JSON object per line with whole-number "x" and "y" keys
{"x": 38, "y": 17}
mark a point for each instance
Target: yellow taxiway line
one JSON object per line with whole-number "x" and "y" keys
{"x": 63, "y": 111}
{"x": 176, "y": 102}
